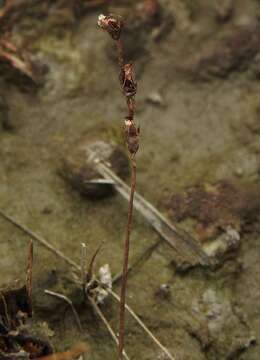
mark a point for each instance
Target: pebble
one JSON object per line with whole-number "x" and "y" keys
{"x": 82, "y": 175}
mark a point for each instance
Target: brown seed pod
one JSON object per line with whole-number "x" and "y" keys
{"x": 131, "y": 136}
{"x": 127, "y": 79}
{"x": 112, "y": 24}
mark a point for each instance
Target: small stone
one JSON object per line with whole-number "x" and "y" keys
{"x": 224, "y": 323}
{"x": 213, "y": 307}
{"x": 81, "y": 174}
{"x": 164, "y": 292}
{"x": 220, "y": 248}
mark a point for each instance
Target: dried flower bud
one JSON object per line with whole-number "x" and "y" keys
{"x": 127, "y": 79}
{"x": 132, "y": 136}
{"x": 112, "y": 24}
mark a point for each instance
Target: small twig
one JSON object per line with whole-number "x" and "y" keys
{"x": 68, "y": 301}
{"x": 120, "y": 53}
{"x": 144, "y": 327}
{"x": 106, "y": 323}
{"x": 181, "y": 241}
{"x": 125, "y": 263}
{"x": 144, "y": 256}
{"x": 39, "y": 239}
{"x": 29, "y": 276}
{"x": 8, "y": 321}
{"x": 78, "y": 268}
{"x": 91, "y": 264}
{"x": 83, "y": 267}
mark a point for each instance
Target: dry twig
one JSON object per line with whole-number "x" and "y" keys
{"x": 39, "y": 239}
{"x": 78, "y": 268}
{"x": 106, "y": 323}
{"x": 8, "y": 320}
{"x": 91, "y": 264}
{"x": 68, "y": 301}
{"x": 83, "y": 266}
{"x": 181, "y": 241}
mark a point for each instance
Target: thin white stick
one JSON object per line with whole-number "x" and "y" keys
{"x": 39, "y": 239}
{"x": 83, "y": 264}
{"x": 178, "y": 239}
{"x": 106, "y": 323}
{"x": 68, "y": 301}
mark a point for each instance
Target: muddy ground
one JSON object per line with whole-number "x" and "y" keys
{"x": 198, "y": 104}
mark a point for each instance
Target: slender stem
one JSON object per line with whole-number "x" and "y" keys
{"x": 114, "y": 25}
{"x": 125, "y": 263}
{"x": 144, "y": 327}
{"x": 7, "y": 318}
{"x": 105, "y": 321}
{"x": 68, "y": 301}
{"x": 91, "y": 264}
{"x": 83, "y": 268}
{"x": 120, "y": 53}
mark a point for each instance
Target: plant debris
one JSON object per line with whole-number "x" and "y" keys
{"x": 217, "y": 214}
{"x": 16, "y": 337}
{"x": 18, "y": 59}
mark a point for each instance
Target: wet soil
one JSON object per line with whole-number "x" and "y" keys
{"x": 207, "y": 131}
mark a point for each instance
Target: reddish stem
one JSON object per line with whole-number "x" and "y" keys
{"x": 120, "y": 53}
{"x": 125, "y": 263}
{"x": 113, "y": 26}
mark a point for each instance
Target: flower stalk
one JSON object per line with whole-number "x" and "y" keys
{"x": 114, "y": 26}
